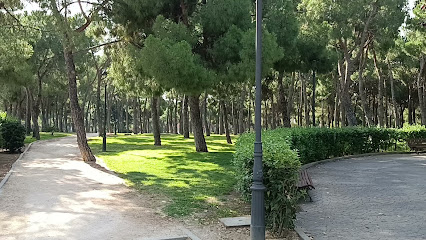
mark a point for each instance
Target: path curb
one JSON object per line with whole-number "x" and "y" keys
{"x": 302, "y": 234}
{"x": 12, "y": 169}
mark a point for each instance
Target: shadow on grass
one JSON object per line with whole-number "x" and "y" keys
{"x": 187, "y": 177}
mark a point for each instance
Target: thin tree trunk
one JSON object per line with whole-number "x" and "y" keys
{"x": 206, "y": 124}
{"x": 380, "y": 107}
{"x": 36, "y": 111}
{"x": 225, "y": 122}
{"x": 200, "y": 142}
{"x": 234, "y": 118}
{"x": 185, "y": 117}
{"x": 346, "y": 102}
{"x": 366, "y": 110}
{"x": 421, "y": 88}
{"x": 283, "y": 101}
{"x": 28, "y": 111}
{"x": 221, "y": 125}
{"x": 305, "y": 103}
{"x": 135, "y": 116}
{"x": 395, "y": 106}
{"x": 175, "y": 126}
{"x": 155, "y": 121}
{"x": 241, "y": 112}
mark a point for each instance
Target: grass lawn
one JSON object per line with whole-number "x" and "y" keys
{"x": 46, "y": 136}
{"x": 193, "y": 181}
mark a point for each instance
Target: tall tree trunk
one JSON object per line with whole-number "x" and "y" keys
{"x": 314, "y": 86}
{"x": 167, "y": 127}
{"x": 234, "y": 118}
{"x": 421, "y": 88}
{"x": 135, "y": 116}
{"x": 78, "y": 121}
{"x": 300, "y": 110}
{"x": 155, "y": 120}
{"x": 28, "y": 111}
{"x": 306, "y": 103}
{"x": 185, "y": 117}
{"x": 346, "y": 74}
{"x": 77, "y": 115}
{"x": 206, "y": 124}
{"x": 225, "y": 122}
{"x": 36, "y": 111}
{"x": 175, "y": 126}
{"x": 283, "y": 101}
{"x": 290, "y": 98}
{"x": 241, "y": 112}
{"x": 395, "y": 106}
{"x": 380, "y": 107}
{"x": 273, "y": 113}
{"x": 200, "y": 142}
{"x": 410, "y": 105}
{"x": 221, "y": 125}
{"x": 364, "y": 105}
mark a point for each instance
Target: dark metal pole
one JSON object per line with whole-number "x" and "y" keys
{"x": 314, "y": 86}
{"x": 257, "y": 230}
{"x": 104, "y": 141}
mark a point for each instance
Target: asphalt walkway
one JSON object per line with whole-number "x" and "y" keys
{"x": 378, "y": 197}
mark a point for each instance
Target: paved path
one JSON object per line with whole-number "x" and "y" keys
{"x": 380, "y": 197}
{"x": 54, "y": 195}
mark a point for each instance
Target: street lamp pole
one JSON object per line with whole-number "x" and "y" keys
{"x": 257, "y": 230}
{"x": 104, "y": 141}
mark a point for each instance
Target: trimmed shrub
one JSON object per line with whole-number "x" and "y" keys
{"x": 314, "y": 144}
{"x": 2, "y": 119}
{"x": 13, "y": 134}
{"x": 281, "y": 171}
{"x": 412, "y": 132}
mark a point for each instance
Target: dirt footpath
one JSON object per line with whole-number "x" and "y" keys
{"x": 52, "y": 194}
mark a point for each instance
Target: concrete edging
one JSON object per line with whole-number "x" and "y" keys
{"x": 6, "y": 178}
{"x": 302, "y": 234}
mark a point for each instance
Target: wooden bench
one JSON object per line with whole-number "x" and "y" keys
{"x": 305, "y": 182}
{"x": 417, "y": 145}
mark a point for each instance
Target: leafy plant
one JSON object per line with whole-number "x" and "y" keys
{"x": 12, "y": 134}
{"x": 281, "y": 169}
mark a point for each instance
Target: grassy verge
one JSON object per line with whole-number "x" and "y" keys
{"x": 193, "y": 181}
{"x": 46, "y": 136}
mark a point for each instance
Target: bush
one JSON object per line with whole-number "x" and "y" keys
{"x": 314, "y": 144}
{"x": 12, "y": 134}
{"x": 412, "y": 132}
{"x": 2, "y": 119}
{"x": 281, "y": 171}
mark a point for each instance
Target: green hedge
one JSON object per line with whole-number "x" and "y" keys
{"x": 315, "y": 144}
{"x": 286, "y": 149}
{"x": 12, "y": 134}
{"x": 281, "y": 169}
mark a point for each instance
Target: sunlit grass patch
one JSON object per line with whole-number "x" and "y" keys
{"x": 46, "y": 136}
{"x": 188, "y": 178}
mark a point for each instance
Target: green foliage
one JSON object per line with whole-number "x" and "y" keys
{"x": 412, "y": 132}
{"x": 315, "y": 144}
{"x": 173, "y": 65}
{"x": 281, "y": 171}
{"x": 12, "y": 134}
{"x": 218, "y": 16}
